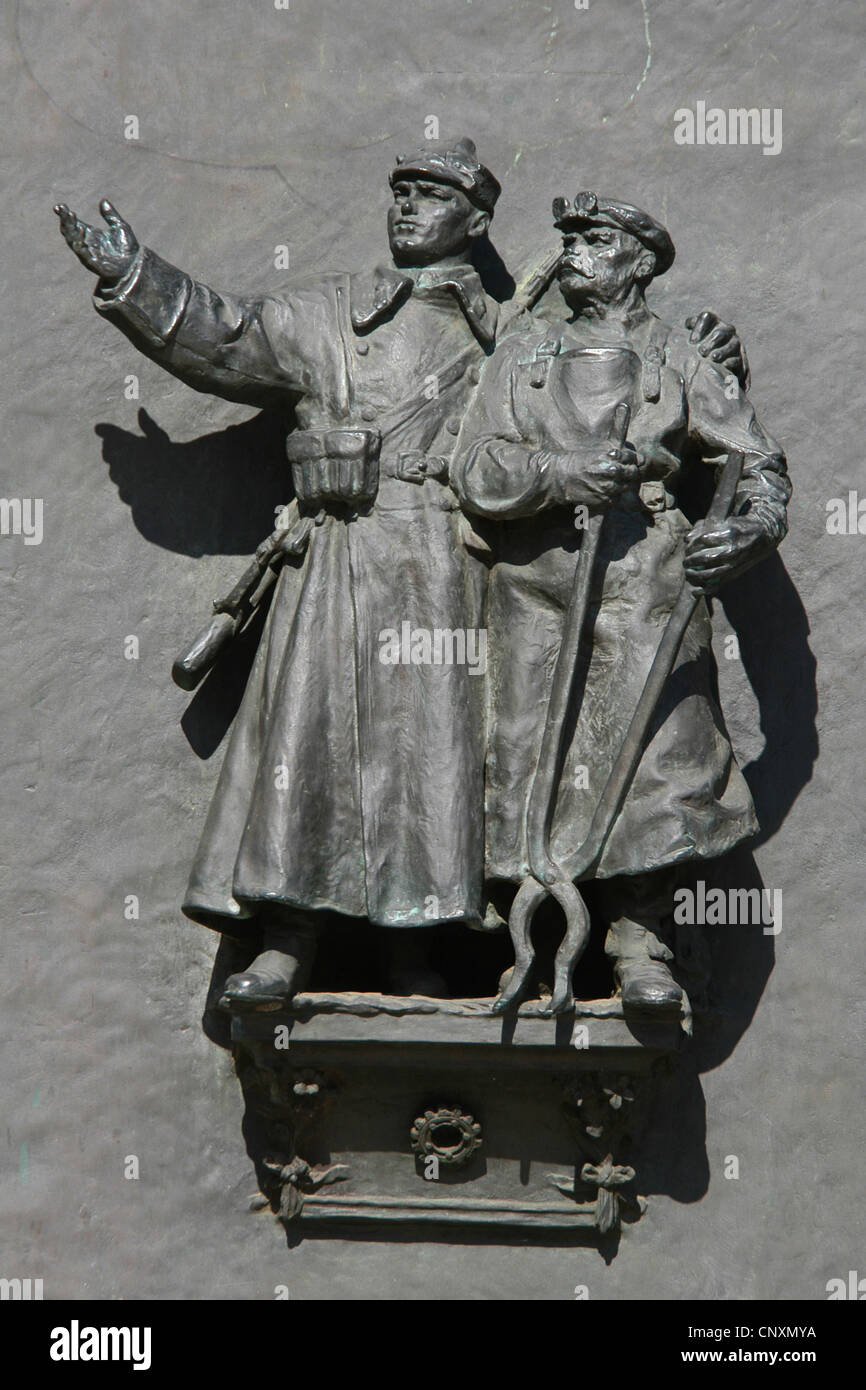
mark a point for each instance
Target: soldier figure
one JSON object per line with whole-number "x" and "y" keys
{"x": 378, "y": 814}
{"x": 537, "y": 458}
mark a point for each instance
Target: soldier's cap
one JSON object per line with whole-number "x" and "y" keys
{"x": 588, "y": 210}
{"x": 456, "y": 164}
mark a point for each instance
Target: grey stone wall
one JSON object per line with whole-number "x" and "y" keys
{"x": 260, "y": 127}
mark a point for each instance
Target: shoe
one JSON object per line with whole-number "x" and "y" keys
{"x": 268, "y": 985}
{"x": 647, "y": 986}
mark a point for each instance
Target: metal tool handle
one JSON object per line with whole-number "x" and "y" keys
{"x": 542, "y": 797}
{"x": 579, "y": 863}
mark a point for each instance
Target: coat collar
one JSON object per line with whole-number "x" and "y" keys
{"x": 378, "y": 292}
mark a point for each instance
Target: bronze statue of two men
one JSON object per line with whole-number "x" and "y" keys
{"x": 462, "y": 467}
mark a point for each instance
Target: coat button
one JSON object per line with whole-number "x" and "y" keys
{"x": 362, "y": 349}
{"x": 368, "y": 413}
{"x": 452, "y": 426}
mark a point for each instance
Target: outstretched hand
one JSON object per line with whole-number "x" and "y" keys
{"x": 107, "y": 253}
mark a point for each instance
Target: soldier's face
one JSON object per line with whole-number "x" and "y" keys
{"x": 600, "y": 265}
{"x": 429, "y": 222}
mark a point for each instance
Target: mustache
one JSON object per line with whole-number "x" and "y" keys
{"x": 576, "y": 265}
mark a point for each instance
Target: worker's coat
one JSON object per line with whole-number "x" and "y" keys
{"x": 688, "y": 799}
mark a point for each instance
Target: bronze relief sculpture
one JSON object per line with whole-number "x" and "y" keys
{"x": 484, "y": 681}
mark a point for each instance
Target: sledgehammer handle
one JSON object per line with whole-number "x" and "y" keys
{"x": 542, "y": 797}
{"x": 578, "y": 864}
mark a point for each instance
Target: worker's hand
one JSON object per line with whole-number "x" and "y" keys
{"x": 598, "y": 483}
{"x": 108, "y": 254}
{"x": 715, "y": 554}
{"x": 720, "y": 344}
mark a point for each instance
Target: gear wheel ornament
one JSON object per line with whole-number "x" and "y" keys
{"x": 449, "y": 1135}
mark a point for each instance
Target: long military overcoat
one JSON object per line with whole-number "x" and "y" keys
{"x": 350, "y": 782}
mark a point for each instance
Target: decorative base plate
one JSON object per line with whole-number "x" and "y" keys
{"x": 371, "y": 1109}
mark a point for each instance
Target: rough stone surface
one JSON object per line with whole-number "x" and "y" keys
{"x": 259, "y": 127}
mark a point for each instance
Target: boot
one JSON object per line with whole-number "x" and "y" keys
{"x": 279, "y": 971}
{"x": 637, "y": 907}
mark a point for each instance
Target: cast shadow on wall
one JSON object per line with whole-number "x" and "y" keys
{"x": 218, "y": 494}
{"x": 215, "y": 495}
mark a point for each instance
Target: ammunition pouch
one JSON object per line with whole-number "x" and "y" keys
{"x": 334, "y": 465}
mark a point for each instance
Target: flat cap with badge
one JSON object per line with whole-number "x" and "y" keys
{"x": 588, "y": 210}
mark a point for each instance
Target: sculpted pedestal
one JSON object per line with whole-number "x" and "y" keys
{"x": 373, "y": 1111}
